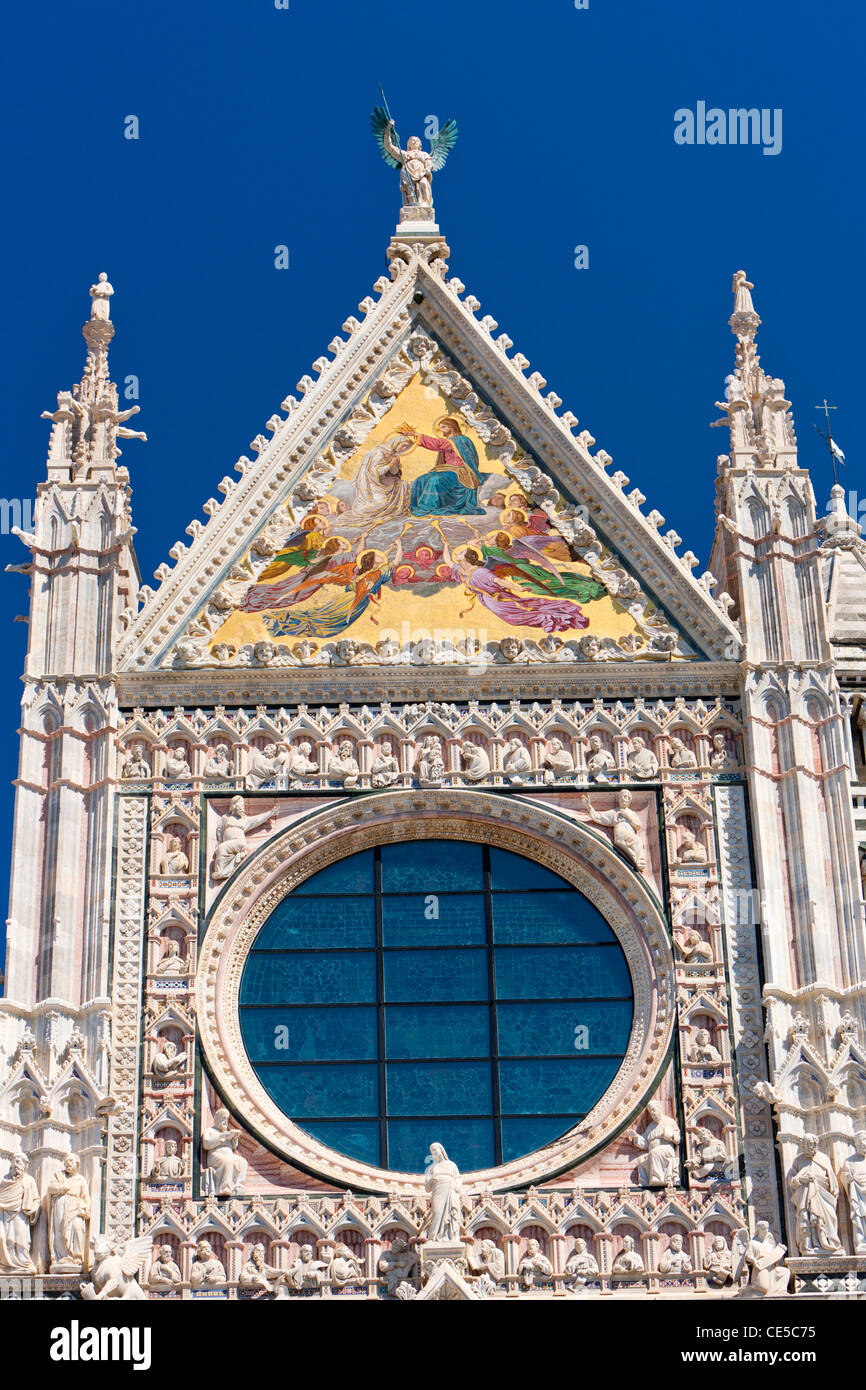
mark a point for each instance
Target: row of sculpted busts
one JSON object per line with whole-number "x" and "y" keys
{"x": 305, "y": 1273}
{"x": 512, "y": 758}
{"x": 814, "y": 1188}
{"x": 66, "y": 1205}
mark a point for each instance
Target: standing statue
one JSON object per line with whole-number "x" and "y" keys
{"x": 232, "y": 838}
{"x": 19, "y": 1209}
{"x": 442, "y": 1181}
{"x": 69, "y": 1196}
{"x": 815, "y": 1194}
{"x": 853, "y": 1179}
{"x": 415, "y": 164}
{"x": 660, "y": 1145}
{"x": 227, "y": 1167}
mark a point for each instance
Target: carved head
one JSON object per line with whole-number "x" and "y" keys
{"x": 170, "y": 1148}
{"x": 628, "y": 1243}
{"x": 413, "y": 143}
{"x": 676, "y": 1243}
{"x": 221, "y": 1119}
{"x": 624, "y": 797}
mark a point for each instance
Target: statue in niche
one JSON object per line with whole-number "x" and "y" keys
{"x": 300, "y": 763}
{"x": 556, "y": 761}
{"x": 517, "y": 764}
{"x": 163, "y": 1273}
{"x": 691, "y": 851}
{"x": 385, "y": 768}
{"x": 442, "y": 1182}
{"x": 718, "y": 1266}
{"x": 228, "y": 1168}
{"x": 397, "y": 1264}
{"x": 256, "y": 1274}
{"x": 710, "y": 1155}
{"x": 691, "y": 945}
{"x": 682, "y": 758}
{"x": 660, "y": 1146}
{"x": 219, "y": 763}
{"x": 68, "y": 1217}
{"x": 581, "y": 1265}
{"x": 176, "y": 764}
{"x": 344, "y": 1267}
{"x": 815, "y": 1195}
{"x": 343, "y": 766}
{"x": 206, "y": 1270}
{"x": 642, "y": 762}
{"x": 852, "y": 1178}
{"x": 135, "y": 764}
{"x": 306, "y": 1272}
{"x": 720, "y": 758}
{"x": 232, "y": 837}
{"x": 600, "y": 762}
{"x": 266, "y": 765}
{"x": 488, "y": 1260}
{"x": 172, "y": 963}
{"x": 19, "y": 1210}
{"x": 476, "y": 762}
{"x": 702, "y": 1050}
{"x": 628, "y": 1261}
{"x": 169, "y": 1166}
{"x": 676, "y": 1259}
{"x": 625, "y": 825}
{"x": 431, "y": 765}
{"x": 761, "y": 1259}
{"x": 535, "y": 1267}
{"x": 174, "y": 863}
{"x": 168, "y": 1062}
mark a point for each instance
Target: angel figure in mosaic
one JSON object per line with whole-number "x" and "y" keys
{"x": 517, "y": 590}
{"x": 416, "y": 165}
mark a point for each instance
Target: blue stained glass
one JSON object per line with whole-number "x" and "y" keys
{"x": 310, "y": 1035}
{"x": 422, "y": 975}
{"x": 439, "y": 1088}
{"x": 352, "y": 875}
{"x": 455, "y": 920}
{"x": 541, "y": 1029}
{"x": 468, "y": 1143}
{"x": 295, "y": 978}
{"x": 567, "y": 917}
{"x": 521, "y": 1137}
{"x": 431, "y": 866}
{"x": 421, "y": 996}
{"x": 356, "y": 1138}
{"x": 561, "y": 973}
{"x": 443, "y": 1030}
{"x": 336, "y": 1090}
{"x": 572, "y": 1084}
{"x": 316, "y": 923}
{"x": 514, "y": 871}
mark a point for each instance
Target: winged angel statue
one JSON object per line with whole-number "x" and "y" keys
{"x": 416, "y": 166}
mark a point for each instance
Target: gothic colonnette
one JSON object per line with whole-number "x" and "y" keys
{"x": 435, "y": 888}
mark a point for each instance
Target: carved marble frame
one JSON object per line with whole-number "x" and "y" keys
{"x": 554, "y": 840}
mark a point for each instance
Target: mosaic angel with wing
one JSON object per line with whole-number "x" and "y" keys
{"x": 416, "y": 165}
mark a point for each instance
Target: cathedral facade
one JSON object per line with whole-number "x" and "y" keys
{"x": 274, "y": 1026}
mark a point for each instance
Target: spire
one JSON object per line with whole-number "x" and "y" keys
{"x": 841, "y": 531}
{"x": 88, "y": 422}
{"x": 758, "y": 415}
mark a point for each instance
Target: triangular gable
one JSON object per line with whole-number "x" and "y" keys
{"x": 421, "y": 353}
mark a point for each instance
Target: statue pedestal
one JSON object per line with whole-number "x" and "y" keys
{"x": 433, "y": 1252}
{"x": 417, "y": 224}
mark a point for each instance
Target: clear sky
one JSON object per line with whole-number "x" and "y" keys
{"x": 254, "y": 133}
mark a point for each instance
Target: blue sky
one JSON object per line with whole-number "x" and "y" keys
{"x": 254, "y": 132}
